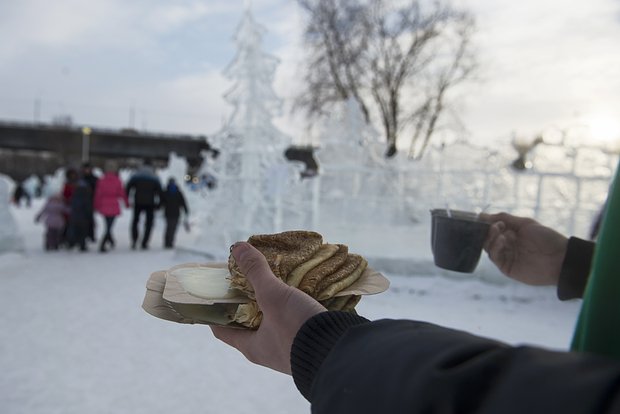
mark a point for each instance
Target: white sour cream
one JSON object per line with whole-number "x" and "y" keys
{"x": 205, "y": 282}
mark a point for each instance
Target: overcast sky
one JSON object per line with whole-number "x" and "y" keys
{"x": 157, "y": 64}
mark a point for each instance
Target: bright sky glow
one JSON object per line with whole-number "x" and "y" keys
{"x": 604, "y": 127}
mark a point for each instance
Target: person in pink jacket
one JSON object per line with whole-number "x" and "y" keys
{"x": 108, "y": 193}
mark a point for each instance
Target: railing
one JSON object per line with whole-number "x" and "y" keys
{"x": 567, "y": 198}
{"x": 391, "y": 202}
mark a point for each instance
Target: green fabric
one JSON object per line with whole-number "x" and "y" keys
{"x": 598, "y": 326}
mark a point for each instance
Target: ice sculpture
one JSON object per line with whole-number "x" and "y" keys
{"x": 9, "y": 235}
{"x": 252, "y": 173}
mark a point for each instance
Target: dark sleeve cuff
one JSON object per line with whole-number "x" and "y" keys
{"x": 313, "y": 343}
{"x": 575, "y": 268}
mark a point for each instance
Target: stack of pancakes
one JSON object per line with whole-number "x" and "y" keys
{"x": 302, "y": 260}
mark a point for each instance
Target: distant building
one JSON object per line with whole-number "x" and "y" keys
{"x": 40, "y": 149}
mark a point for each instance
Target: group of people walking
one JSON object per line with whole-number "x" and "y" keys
{"x": 69, "y": 217}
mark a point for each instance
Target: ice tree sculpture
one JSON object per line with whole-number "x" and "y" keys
{"x": 251, "y": 170}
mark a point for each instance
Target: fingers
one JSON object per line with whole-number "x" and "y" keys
{"x": 497, "y": 250}
{"x": 496, "y": 230}
{"x": 254, "y": 266}
{"x": 496, "y": 245}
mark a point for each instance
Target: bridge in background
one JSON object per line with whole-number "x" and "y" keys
{"x": 41, "y": 149}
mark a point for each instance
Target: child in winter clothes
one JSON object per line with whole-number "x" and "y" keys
{"x": 53, "y": 214}
{"x": 173, "y": 202}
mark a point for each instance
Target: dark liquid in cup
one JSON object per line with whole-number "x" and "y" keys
{"x": 457, "y": 239}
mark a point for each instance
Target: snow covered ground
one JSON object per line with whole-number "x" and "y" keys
{"x": 74, "y": 339}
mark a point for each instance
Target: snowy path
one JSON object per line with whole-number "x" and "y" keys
{"x": 74, "y": 339}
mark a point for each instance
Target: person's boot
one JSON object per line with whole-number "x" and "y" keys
{"x": 102, "y": 248}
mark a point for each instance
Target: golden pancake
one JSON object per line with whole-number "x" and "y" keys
{"x": 343, "y": 278}
{"x": 325, "y": 252}
{"x": 248, "y": 314}
{"x": 301, "y": 260}
{"x": 313, "y": 277}
{"x": 283, "y": 251}
{"x": 351, "y": 303}
{"x": 335, "y": 303}
{"x": 350, "y": 264}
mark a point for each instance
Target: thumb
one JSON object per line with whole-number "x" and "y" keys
{"x": 254, "y": 266}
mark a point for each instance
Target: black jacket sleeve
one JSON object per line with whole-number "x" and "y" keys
{"x": 345, "y": 364}
{"x": 130, "y": 187}
{"x": 575, "y": 268}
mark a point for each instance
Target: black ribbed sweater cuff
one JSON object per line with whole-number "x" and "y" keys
{"x": 314, "y": 341}
{"x": 575, "y": 268}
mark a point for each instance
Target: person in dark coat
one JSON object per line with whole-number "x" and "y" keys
{"x": 344, "y": 363}
{"x": 80, "y": 216}
{"x": 91, "y": 179}
{"x": 20, "y": 193}
{"x": 172, "y": 202}
{"x": 145, "y": 191}
{"x": 68, "y": 188}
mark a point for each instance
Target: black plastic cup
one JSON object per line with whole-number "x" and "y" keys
{"x": 457, "y": 239}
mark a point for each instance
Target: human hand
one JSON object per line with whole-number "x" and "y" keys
{"x": 285, "y": 309}
{"x": 524, "y": 249}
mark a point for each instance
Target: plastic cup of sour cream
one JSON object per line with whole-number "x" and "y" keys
{"x": 206, "y": 282}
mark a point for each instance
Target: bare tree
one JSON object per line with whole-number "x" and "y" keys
{"x": 397, "y": 61}
{"x": 337, "y": 32}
